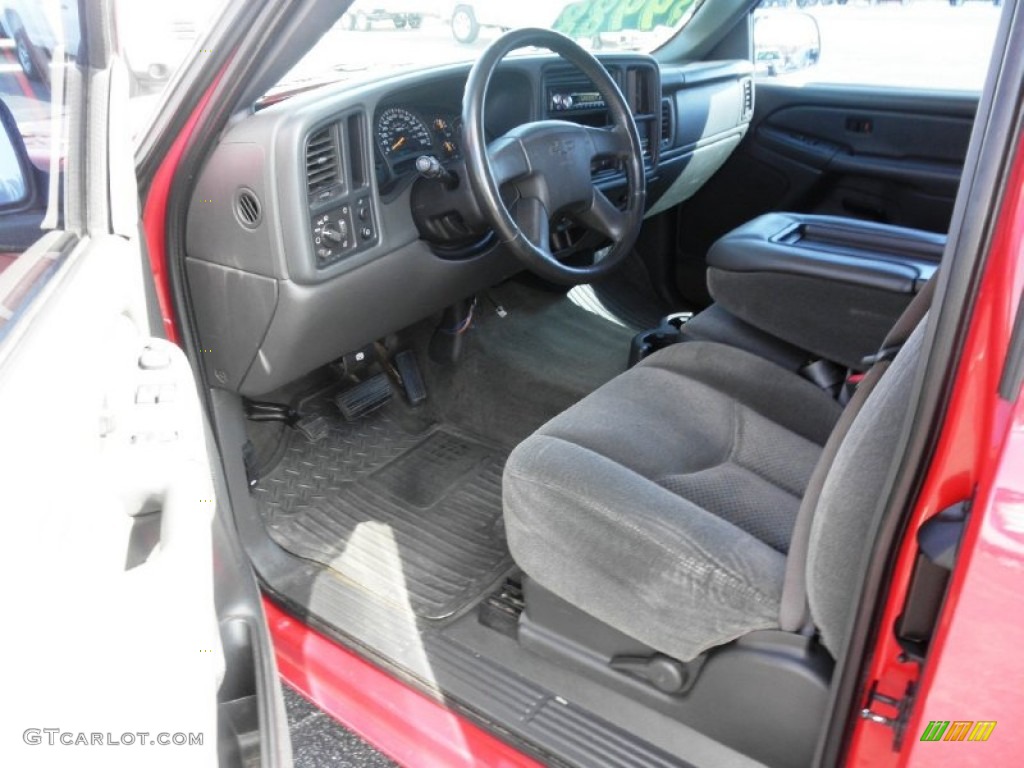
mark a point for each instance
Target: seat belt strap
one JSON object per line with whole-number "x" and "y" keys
{"x": 904, "y": 326}
{"x": 794, "y": 614}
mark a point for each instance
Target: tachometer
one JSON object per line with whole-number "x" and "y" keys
{"x": 400, "y": 132}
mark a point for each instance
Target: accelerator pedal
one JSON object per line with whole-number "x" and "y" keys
{"x": 409, "y": 374}
{"x": 365, "y": 397}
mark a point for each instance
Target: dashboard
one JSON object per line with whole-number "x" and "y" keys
{"x": 310, "y": 247}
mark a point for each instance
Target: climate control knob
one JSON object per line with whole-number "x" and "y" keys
{"x": 339, "y": 234}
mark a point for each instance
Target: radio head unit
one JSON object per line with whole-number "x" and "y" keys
{"x": 569, "y": 100}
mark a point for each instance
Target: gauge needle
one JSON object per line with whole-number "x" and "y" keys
{"x": 398, "y": 144}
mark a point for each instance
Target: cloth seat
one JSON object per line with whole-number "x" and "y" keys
{"x": 663, "y": 503}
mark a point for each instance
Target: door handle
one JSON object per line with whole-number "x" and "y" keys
{"x": 862, "y": 125}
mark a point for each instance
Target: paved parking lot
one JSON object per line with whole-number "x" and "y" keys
{"x": 319, "y": 742}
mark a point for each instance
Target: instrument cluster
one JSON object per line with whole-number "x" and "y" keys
{"x": 401, "y": 135}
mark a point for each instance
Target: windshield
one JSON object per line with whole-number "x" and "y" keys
{"x": 376, "y": 37}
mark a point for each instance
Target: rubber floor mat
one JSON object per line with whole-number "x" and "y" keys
{"x": 410, "y": 515}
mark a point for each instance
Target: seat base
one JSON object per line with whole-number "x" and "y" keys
{"x": 764, "y": 694}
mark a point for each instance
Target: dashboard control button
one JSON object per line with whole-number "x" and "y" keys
{"x": 334, "y": 235}
{"x": 366, "y": 233}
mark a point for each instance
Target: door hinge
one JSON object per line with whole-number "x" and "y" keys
{"x": 901, "y": 707}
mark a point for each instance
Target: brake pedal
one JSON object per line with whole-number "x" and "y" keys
{"x": 410, "y": 377}
{"x": 365, "y": 397}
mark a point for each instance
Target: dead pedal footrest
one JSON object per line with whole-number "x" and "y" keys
{"x": 313, "y": 427}
{"x": 364, "y": 398}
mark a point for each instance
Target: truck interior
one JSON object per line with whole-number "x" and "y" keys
{"x": 568, "y": 388}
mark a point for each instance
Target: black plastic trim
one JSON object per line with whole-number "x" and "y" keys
{"x": 834, "y": 249}
{"x": 1013, "y": 370}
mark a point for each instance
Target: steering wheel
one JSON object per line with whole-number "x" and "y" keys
{"x": 544, "y": 168}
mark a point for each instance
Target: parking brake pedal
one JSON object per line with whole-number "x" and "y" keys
{"x": 365, "y": 397}
{"x": 312, "y": 426}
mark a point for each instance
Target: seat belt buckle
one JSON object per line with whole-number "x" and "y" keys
{"x": 885, "y": 354}
{"x": 850, "y": 386}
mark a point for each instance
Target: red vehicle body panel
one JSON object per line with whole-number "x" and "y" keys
{"x": 154, "y": 217}
{"x": 409, "y": 727}
{"x": 975, "y": 669}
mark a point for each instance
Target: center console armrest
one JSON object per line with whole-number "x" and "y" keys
{"x": 830, "y": 285}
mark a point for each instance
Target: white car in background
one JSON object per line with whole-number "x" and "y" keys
{"x": 157, "y": 35}
{"x": 37, "y": 30}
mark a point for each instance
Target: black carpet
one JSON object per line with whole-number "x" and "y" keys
{"x": 529, "y": 355}
{"x": 626, "y": 298}
{"x": 318, "y": 741}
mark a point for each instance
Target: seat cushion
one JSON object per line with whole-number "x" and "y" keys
{"x": 663, "y": 503}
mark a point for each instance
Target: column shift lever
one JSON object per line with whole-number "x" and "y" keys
{"x": 429, "y": 167}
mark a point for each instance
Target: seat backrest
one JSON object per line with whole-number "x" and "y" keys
{"x": 845, "y": 513}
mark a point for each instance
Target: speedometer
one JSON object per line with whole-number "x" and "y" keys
{"x": 400, "y": 132}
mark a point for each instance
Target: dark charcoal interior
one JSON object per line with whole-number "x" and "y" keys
{"x": 431, "y": 475}
{"x": 397, "y": 518}
{"x": 618, "y": 523}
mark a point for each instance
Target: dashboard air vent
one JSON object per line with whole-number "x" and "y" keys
{"x": 668, "y": 123}
{"x": 248, "y": 208}
{"x": 748, "y": 99}
{"x": 569, "y": 76}
{"x": 322, "y": 160}
{"x": 642, "y": 90}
